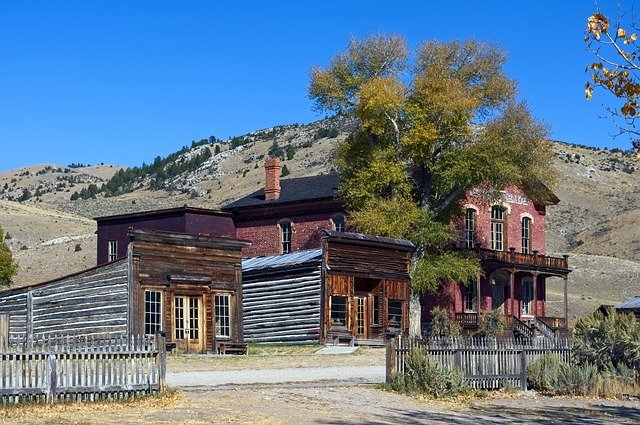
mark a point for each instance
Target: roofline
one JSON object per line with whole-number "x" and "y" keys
{"x": 37, "y": 285}
{"x": 188, "y": 239}
{"x": 150, "y": 213}
{"x": 367, "y": 240}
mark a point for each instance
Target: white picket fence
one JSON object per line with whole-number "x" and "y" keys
{"x": 54, "y": 368}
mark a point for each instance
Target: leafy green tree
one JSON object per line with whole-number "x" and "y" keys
{"x": 428, "y": 132}
{"x": 8, "y": 267}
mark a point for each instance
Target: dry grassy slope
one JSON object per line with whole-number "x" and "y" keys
{"x": 596, "y": 221}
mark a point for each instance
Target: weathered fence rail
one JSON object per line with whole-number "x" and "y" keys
{"x": 485, "y": 363}
{"x": 56, "y": 368}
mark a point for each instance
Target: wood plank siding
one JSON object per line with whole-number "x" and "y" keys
{"x": 93, "y": 302}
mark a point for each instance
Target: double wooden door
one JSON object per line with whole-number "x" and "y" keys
{"x": 188, "y": 323}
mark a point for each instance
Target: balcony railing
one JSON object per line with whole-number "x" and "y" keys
{"x": 467, "y": 320}
{"x": 535, "y": 259}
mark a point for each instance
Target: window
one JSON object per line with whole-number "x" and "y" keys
{"x": 152, "y": 312}
{"x": 112, "y": 250}
{"x": 497, "y": 228}
{"x": 285, "y": 237}
{"x": 338, "y": 222}
{"x": 222, "y": 305}
{"x": 338, "y": 310}
{"x": 395, "y": 313}
{"x": 470, "y": 228}
{"x": 470, "y": 296}
{"x": 179, "y": 317}
{"x": 527, "y": 295}
{"x": 526, "y": 235}
{"x": 376, "y": 310}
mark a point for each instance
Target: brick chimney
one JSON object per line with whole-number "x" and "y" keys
{"x": 272, "y": 169}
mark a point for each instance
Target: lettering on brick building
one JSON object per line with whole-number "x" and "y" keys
{"x": 511, "y": 198}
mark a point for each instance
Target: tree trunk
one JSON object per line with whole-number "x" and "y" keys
{"x": 415, "y": 315}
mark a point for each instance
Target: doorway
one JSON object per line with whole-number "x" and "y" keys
{"x": 188, "y": 324}
{"x": 362, "y": 317}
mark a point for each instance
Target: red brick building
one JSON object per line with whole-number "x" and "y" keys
{"x": 508, "y": 235}
{"x": 287, "y": 215}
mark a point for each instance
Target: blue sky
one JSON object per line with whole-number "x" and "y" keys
{"x": 124, "y": 81}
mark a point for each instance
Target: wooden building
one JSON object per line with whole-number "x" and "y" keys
{"x": 354, "y": 288}
{"x": 188, "y": 286}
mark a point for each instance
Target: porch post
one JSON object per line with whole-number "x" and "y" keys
{"x": 566, "y": 304}
{"x": 535, "y": 294}
{"x": 511, "y": 291}
{"x": 478, "y": 301}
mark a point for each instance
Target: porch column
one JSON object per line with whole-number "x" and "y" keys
{"x": 478, "y": 300}
{"x": 566, "y": 304}
{"x": 512, "y": 291}
{"x": 535, "y": 294}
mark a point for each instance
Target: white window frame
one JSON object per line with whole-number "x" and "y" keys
{"x": 526, "y": 294}
{"x": 339, "y": 222}
{"x": 470, "y": 297}
{"x": 152, "y": 311}
{"x": 497, "y": 227}
{"x": 222, "y": 311}
{"x": 286, "y": 236}
{"x": 112, "y": 250}
{"x": 470, "y": 228}
{"x": 526, "y": 235}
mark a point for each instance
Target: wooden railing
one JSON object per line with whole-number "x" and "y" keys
{"x": 554, "y": 322}
{"x": 486, "y": 363}
{"x": 467, "y": 320}
{"x": 68, "y": 368}
{"x": 514, "y": 257}
{"x": 519, "y": 325}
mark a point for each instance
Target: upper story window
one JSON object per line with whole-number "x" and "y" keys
{"x": 338, "y": 221}
{"x": 470, "y": 228}
{"x": 526, "y": 235}
{"x": 497, "y": 228}
{"x": 285, "y": 237}
{"x": 112, "y": 253}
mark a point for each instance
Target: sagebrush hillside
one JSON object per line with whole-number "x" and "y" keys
{"x": 597, "y": 221}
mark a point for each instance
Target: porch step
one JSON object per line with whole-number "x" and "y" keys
{"x": 231, "y": 348}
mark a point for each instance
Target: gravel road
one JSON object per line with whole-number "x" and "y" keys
{"x": 339, "y": 375}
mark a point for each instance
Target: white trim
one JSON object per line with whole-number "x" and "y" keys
{"x": 502, "y": 204}
{"x": 526, "y": 214}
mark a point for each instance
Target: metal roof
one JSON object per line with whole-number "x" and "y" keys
{"x": 629, "y": 304}
{"x": 369, "y": 239}
{"x": 282, "y": 260}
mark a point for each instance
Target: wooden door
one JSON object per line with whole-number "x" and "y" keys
{"x": 188, "y": 324}
{"x": 361, "y": 309}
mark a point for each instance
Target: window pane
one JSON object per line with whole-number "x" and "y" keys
{"x": 497, "y": 228}
{"x": 112, "y": 250}
{"x": 338, "y": 310}
{"x": 470, "y": 296}
{"x": 395, "y": 313}
{"x": 179, "y": 317}
{"x": 470, "y": 224}
{"x": 376, "y": 310}
{"x": 222, "y": 308}
{"x": 285, "y": 237}
{"x": 526, "y": 235}
{"x": 152, "y": 312}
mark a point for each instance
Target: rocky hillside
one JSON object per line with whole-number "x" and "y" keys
{"x": 596, "y": 223}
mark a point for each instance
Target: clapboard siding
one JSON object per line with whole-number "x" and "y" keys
{"x": 93, "y": 302}
{"x": 282, "y": 306}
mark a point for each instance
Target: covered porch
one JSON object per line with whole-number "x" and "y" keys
{"x": 515, "y": 283}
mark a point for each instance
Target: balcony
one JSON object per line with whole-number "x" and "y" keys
{"x": 528, "y": 261}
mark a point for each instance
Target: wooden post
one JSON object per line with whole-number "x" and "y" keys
{"x": 512, "y": 292}
{"x": 566, "y": 303}
{"x": 161, "y": 360}
{"x": 391, "y": 359}
{"x": 478, "y": 300}
{"x": 4, "y": 332}
{"x": 53, "y": 381}
{"x": 523, "y": 370}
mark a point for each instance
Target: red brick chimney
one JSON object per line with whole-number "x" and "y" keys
{"x": 272, "y": 170}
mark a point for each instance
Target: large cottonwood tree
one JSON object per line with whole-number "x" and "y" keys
{"x": 8, "y": 267}
{"x": 429, "y": 130}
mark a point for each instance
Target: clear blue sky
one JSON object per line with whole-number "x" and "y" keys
{"x": 124, "y": 81}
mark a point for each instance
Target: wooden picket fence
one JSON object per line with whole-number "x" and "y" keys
{"x": 53, "y": 368}
{"x": 486, "y": 363}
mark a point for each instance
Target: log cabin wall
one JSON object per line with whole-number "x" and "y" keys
{"x": 282, "y": 299}
{"x": 93, "y": 302}
{"x": 189, "y": 286}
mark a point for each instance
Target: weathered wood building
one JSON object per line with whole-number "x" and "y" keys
{"x": 354, "y": 288}
{"x": 188, "y": 286}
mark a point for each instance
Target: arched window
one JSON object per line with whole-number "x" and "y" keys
{"x": 339, "y": 223}
{"x": 497, "y": 228}
{"x": 526, "y": 235}
{"x": 470, "y": 229}
{"x": 285, "y": 236}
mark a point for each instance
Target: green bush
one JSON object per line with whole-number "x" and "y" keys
{"x": 542, "y": 374}
{"x": 425, "y": 376}
{"x": 493, "y": 324}
{"x": 442, "y": 325}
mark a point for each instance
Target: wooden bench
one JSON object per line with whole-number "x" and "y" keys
{"x": 344, "y": 338}
{"x": 227, "y": 347}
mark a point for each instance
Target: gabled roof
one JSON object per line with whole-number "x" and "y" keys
{"x": 293, "y": 190}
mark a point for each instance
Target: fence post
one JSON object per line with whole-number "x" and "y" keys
{"x": 53, "y": 378}
{"x": 523, "y": 370}
{"x": 161, "y": 359}
{"x": 391, "y": 359}
{"x": 4, "y": 331}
